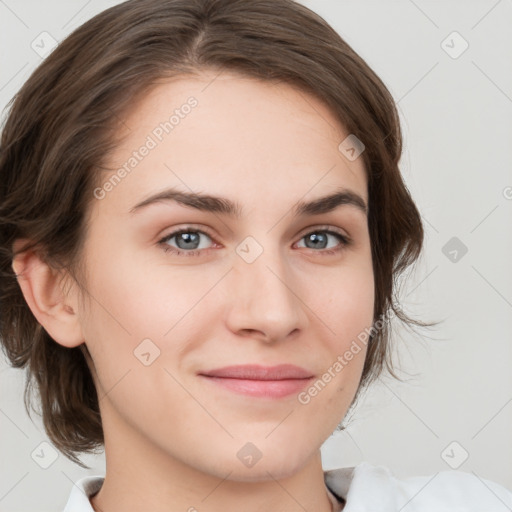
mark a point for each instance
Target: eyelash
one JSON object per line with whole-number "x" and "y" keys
{"x": 344, "y": 241}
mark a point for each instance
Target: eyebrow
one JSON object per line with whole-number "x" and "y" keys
{"x": 222, "y": 205}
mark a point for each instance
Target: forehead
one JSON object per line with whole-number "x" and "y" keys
{"x": 228, "y": 132}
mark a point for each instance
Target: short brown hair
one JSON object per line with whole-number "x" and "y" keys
{"x": 59, "y": 130}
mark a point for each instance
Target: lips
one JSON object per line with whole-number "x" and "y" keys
{"x": 259, "y": 372}
{"x": 262, "y": 382}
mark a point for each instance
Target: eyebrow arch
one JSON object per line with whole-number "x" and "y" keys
{"x": 214, "y": 204}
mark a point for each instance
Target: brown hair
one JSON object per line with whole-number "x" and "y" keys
{"x": 59, "y": 130}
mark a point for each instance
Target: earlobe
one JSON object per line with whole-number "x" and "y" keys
{"x": 42, "y": 288}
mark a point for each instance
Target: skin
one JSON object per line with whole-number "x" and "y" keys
{"x": 171, "y": 438}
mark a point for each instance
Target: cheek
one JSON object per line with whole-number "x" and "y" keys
{"x": 130, "y": 306}
{"x": 146, "y": 297}
{"x": 345, "y": 306}
{"x": 345, "y": 301}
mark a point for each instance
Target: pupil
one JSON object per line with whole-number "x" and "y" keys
{"x": 317, "y": 240}
{"x": 190, "y": 240}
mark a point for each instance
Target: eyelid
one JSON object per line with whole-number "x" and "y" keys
{"x": 344, "y": 239}
{"x": 200, "y": 228}
{"x": 188, "y": 227}
{"x": 325, "y": 227}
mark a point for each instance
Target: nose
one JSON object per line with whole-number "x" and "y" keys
{"x": 265, "y": 298}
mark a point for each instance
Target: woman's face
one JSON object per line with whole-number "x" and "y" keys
{"x": 259, "y": 279}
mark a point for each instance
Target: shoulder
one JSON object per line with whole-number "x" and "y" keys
{"x": 366, "y": 488}
{"x": 78, "y": 500}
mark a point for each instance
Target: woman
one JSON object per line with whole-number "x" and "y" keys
{"x": 202, "y": 221}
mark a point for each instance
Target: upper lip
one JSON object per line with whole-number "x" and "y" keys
{"x": 259, "y": 372}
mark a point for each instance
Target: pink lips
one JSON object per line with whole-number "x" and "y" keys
{"x": 263, "y": 381}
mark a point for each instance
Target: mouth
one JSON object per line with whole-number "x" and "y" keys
{"x": 260, "y": 381}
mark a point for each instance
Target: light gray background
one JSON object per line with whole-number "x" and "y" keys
{"x": 457, "y": 121}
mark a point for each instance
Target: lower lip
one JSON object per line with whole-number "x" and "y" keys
{"x": 261, "y": 388}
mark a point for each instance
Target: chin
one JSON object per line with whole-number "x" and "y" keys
{"x": 262, "y": 473}
{"x": 266, "y": 468}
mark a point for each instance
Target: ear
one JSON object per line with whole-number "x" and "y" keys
{"x": 43, "y": 289}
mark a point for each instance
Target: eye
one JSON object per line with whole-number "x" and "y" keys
{"x": 188, "y": 242}
{"x": 319, "y": 239}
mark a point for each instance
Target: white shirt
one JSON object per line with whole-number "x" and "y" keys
{"x": 368, "y": 488}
